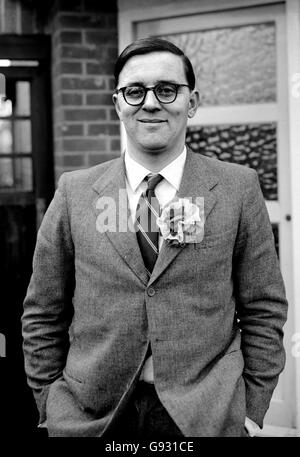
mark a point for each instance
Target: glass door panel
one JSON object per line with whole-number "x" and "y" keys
{"x": 16, "y": 155}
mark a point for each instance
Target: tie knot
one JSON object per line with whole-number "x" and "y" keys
{"x": 153, "y": 180}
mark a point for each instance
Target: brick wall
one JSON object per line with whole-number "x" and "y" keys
{"x": 84, "y": 49}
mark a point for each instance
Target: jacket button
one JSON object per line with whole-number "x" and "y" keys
{"x": 150, "y": 291}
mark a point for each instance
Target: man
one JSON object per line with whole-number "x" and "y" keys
{"x": 128, "y": 334}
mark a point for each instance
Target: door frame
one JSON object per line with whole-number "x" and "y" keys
{"x": 132, "y": 12}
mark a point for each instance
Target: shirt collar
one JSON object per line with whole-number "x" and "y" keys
{"x": 136, "y": 172}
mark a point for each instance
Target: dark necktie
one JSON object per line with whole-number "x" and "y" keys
{"x": 147, "y": 230}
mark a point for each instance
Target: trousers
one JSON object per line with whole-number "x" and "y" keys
{"x": 144, "y": 417}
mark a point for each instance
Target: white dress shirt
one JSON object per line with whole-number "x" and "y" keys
{"x": 164, "y": 191}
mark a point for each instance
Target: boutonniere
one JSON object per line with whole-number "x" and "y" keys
{"x": 182, "y": 222}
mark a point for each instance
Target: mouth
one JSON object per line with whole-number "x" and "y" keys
{"x": 152, "y": 121}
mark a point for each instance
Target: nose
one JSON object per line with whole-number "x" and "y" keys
{"x": 151, "y": 102}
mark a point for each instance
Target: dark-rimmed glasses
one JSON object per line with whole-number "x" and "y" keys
{"x": 164, "y": 92}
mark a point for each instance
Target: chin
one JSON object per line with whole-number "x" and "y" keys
{"x": 153, "y": 146}
{"x": 155, "y": 149}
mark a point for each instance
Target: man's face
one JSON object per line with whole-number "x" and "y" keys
{"x": 154, "y": 127}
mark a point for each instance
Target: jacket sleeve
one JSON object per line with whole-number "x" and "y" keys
{"x": 48, "y": 306}
{"x": 260, "y": 300}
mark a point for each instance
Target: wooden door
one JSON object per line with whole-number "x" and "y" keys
{"x": 26, "y": 187}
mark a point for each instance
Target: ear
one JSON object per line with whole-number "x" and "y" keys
{"x": 193, "y": 103}
{"x": 115, "y": 100}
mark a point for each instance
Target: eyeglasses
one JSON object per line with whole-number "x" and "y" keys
{"x": 164, "y": 92}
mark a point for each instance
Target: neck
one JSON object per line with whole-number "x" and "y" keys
{"x": 154, "y": 160}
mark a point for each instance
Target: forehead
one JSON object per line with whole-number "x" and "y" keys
{"x": 153, "y": 67}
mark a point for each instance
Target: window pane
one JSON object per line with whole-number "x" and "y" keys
{"x": 5, "y": 137}
{"x": 23, "y": 174}
{"x": 5, "y": 108}
{"x": 252, "y": 145}
{"x": 22, "y": 107}
{"x": 6, "y": 173}
{"x": 22, "y": 132}
{"x": 233, "y": 65}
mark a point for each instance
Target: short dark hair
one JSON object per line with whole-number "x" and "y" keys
{"x": 153, "y": 44}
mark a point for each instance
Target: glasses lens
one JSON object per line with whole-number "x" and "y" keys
{"x": 166, "y": 92}
{"x": 134, "y": 94}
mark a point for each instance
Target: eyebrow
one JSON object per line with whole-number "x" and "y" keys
{"x": 140, "y": 83}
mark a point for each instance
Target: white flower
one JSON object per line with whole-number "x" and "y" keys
{"x": 182, "y": 222}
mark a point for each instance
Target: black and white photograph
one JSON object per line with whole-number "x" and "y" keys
{"x": 150, "y": 222}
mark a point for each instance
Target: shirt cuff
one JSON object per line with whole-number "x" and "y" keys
{"x": 251, "y": 427}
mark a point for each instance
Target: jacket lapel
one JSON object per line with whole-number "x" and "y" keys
{"x": 111, "y": 186}
{"x": 197, "y": 181}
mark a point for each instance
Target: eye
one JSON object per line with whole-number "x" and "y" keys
{"x": 134, "y": 91}
{"x": 166, "y": 89}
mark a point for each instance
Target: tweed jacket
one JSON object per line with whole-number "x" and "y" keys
{"x": 213, "y": 311}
